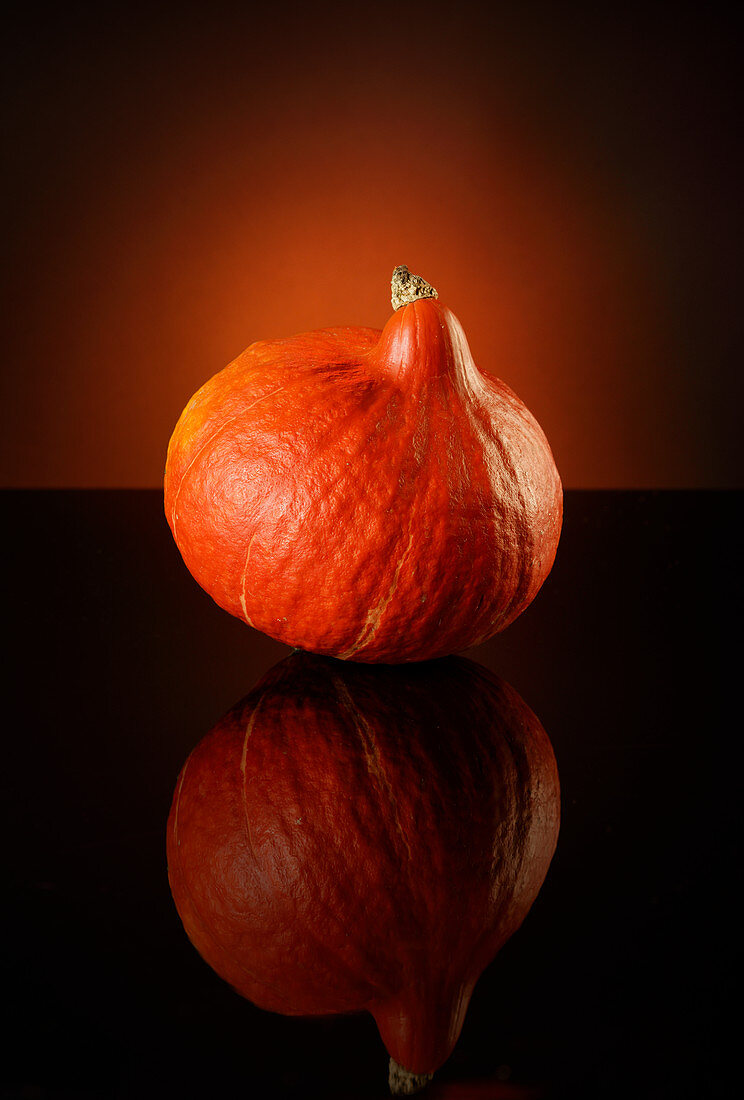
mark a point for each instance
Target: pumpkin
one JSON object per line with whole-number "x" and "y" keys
{"x": 369, "y": 495}
{"x": 352, "y": 837}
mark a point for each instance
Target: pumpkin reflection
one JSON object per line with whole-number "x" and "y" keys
{"x": 355, "y": 837}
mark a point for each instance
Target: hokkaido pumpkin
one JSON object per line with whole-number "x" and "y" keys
{"x": 363, "y": 494}
{"x": 355, "y": 838}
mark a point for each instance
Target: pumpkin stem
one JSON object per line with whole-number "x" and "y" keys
{"x": 406, "y": 288}
{"x": 402, "y": 1082}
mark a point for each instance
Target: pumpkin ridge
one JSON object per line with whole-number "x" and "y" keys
{"x": 243, "y": 755}
{"x": 527, "y": 541}
{"x": 177, "y": 802}
{"x": 378, "y": 404}
{"x": 375, "y": 613}
{"x": 206, "y": 930}
{"x": 244, "y": 579}
{"x": 364, "y": 443}
{"x": 376, "y": 401}
{"x": 372, "y": 756}
{"x": 408, "y": 456}
{"x": 500, "y": 509}
{"x": 326, "y": 952}
{"x": 211, "y": 440}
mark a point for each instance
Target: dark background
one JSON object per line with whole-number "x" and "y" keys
{"x": 182, "y": 180}
{"x": 621, "y": 979}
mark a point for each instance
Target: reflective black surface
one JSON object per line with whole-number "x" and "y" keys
{"x": 617, "y": 983}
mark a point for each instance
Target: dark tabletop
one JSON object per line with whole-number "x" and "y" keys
{"x": 617, "y": 984}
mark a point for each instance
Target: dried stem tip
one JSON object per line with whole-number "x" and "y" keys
{"x": 404, "y": 1083}
{"x": 406, "y": 288}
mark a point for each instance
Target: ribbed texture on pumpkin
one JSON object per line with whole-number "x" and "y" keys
{"x": 352, "y": 838}
{"x": 370, "y": 496}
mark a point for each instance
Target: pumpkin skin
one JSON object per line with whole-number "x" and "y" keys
{"x": 354, "y": 838}
{"x": 368, "y": 495}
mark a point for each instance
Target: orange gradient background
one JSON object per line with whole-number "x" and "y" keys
{"x": 183, "y": 183}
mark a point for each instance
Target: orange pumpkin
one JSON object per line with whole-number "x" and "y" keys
{"x": 371, "y": 496}
{"x": 355, "y": 838}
